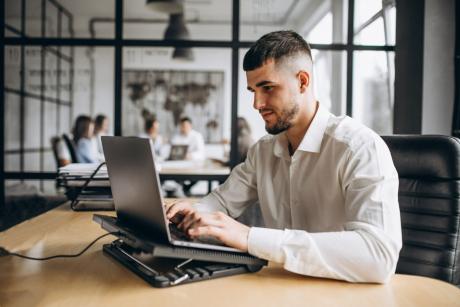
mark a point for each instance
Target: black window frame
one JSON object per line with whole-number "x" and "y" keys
{"x": 118, "y": 43}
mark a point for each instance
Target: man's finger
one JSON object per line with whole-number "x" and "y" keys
{"x": 208, "y": 230}
{"x": 199, "y": 219}
{"x": 175, "y": 208}
{"x": 189, "y": 220}
{"x": 169, "y": 204}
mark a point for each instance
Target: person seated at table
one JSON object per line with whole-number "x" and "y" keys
{"x": 85, "y": 147}
{"x": 62, "y": 153}
{"x": 101, "y": 128}
{"x": 326, "y": 185}
{"x": 152, "y": 131}
{"x": 190, "y": 137}
{"x": 195, "y": 150}
{"x": 244, "y": 138}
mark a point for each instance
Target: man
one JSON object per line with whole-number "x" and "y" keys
{"x": 326, "y": 185}
{"x": 190, "y": 137}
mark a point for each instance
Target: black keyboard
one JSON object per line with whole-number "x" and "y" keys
{"x": 166, "y": 272}
{"x": 178, "y": 234}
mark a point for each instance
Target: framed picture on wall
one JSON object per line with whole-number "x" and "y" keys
{"x": 171, "y": 95}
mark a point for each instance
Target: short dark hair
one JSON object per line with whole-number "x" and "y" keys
{"x": 275, "y": 45}
{"x": 149, "y": 122}
{"x": 185, "y": 119}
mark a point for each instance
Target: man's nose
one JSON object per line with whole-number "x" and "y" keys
{"x": 258, "y": 102}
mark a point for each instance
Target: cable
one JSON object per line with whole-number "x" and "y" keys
{"x": 75, "y": 200}
{"x": 4, "y": 252}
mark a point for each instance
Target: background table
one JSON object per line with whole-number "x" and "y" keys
{"x": 94, "y": 279}
{"x": 189, "y": 170}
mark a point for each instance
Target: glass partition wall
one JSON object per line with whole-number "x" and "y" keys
{"x": 63, "y": 58}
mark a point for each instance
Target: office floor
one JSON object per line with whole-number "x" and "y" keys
{"x": 23, "y": 202}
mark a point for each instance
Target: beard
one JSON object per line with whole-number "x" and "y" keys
{"x": 285, "y": 120}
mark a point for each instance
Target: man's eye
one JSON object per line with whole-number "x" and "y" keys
{"x": 268, "y": 88}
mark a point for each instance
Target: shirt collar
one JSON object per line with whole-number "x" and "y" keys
{"x": 312, "y": 139}
{"x": 280, "y": 148}
{"x": 314, "y": 136}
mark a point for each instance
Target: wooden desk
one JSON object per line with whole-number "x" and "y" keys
{"x": 96, "y": 280}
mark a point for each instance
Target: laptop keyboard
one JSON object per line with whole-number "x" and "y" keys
{"x": 178, "y": 234}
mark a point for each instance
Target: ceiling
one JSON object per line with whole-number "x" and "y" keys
{"x": 252, "y": 11}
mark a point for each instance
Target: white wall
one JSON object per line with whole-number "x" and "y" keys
{"x": 438, "y": 65}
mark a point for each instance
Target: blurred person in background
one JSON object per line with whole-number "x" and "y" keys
{"x": 245, "y": 139}
{"x": 190, "y": 137}
{"x": 85, "y": 147}
{"x": 101, "y": 127}
{"x": 152, "y": 131}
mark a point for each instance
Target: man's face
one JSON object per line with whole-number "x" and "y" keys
{"x": 185, "y": 127}
{"x": 275, "y": 95}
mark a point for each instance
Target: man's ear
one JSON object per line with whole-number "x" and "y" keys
{"x": 304, "y": 80}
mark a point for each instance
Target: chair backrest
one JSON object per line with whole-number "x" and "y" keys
{"x": 71, "y": 147}
{"x": 429, "y": 200}
{"x": 54, "y": 146}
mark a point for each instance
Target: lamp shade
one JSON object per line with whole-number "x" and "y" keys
{"x": 183, "y": 54}
{"x": 166, "y": 6}
{"x": 176, "y": 28}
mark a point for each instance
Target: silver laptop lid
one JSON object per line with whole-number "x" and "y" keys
{"x": 178, "y": 152}
{"x": 135, "y": 184}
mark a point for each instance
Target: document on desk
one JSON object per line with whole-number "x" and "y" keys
{"x": 180, "y": 164}
{"x": 83, "y": 169}
{"x": 86, "y": 170}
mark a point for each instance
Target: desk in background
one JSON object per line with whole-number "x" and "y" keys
{"x": 187, "y": 170}
{"x": 94, "y": 279}
{"x": 75, "y": 175}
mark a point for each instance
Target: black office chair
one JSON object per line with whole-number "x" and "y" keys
{"x": 71, "y": 147}
{"x": 429, "y": 199}
{"x": 54, "y": 146}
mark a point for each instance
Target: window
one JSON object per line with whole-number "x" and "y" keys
{"x": 79, "y": 56}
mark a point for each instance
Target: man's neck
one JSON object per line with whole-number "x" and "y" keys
{"x": 296, "y": 133}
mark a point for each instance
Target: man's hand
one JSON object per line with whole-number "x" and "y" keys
{"x": 176, "y": 211}
{"x": 217, "y": 225}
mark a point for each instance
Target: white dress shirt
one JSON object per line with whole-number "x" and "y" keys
{"x": 331, "y": 209}
{"x": 63, "y": 151}
{"x": 195, "y": 143}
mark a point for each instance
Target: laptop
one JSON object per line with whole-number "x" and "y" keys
{"x": 137, "y": 193}
{"x": 178, "y": 152}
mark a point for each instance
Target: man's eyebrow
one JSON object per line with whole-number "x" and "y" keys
{"x": 261, "y": 83}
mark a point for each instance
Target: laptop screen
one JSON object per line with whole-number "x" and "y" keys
{"x": 135, "y": 184}
{"x": 178, "y": 152}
